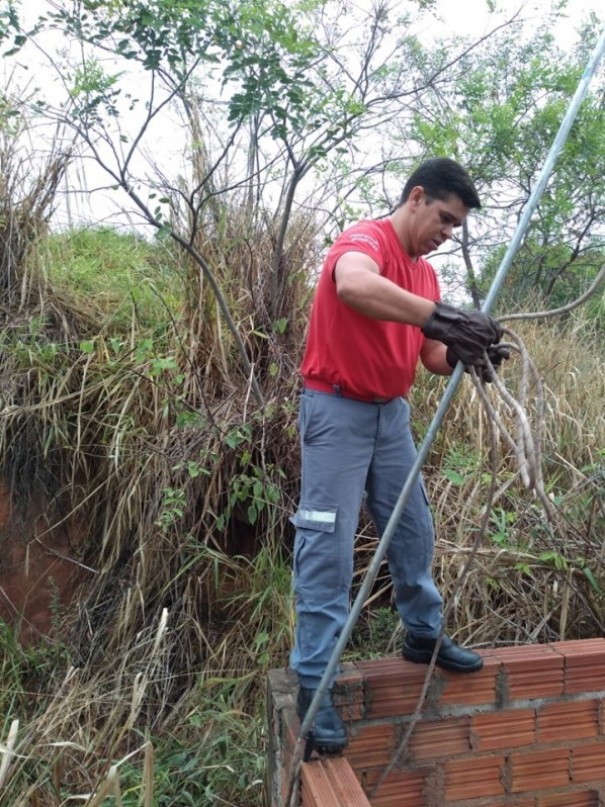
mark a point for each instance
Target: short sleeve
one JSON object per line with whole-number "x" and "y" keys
{"x": 363, "y": 237}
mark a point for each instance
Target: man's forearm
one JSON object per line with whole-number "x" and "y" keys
{"x": 377, "y": 297}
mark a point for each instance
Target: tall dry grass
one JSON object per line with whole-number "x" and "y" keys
{"x": 145, "y": 436}
{"x": 180, "y": 489}
{"x": 532, "y": 580}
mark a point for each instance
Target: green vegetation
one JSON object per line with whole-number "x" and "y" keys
{"x": 121, "y": 275}
{"x": 151, "y": 691}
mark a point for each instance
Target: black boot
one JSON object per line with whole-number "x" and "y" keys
{"x": 328, "y": 734}
{"x": 450, "y": 656}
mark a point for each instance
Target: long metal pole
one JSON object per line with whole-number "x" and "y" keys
{"x": 450, "y": 390}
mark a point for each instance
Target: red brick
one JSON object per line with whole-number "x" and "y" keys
{"x": 578, "y": 649}
{"x": 439, "y": 769}
{"x": 493, "y": 801}
{"x": 539, "y": 769}
{"x": 531, "y": 671}
{"x": 349, "y": 675}
{"x": 447, "y": 737}
{"x": 330, "y": 783}
{"x": 516, "y": 654}
{"x": 346, "y": 783}
{"x": 370, "y": 745}
{"x": 588, "y": 762}
{"x": 584, "y": 661}
{"x": 315, "y": 787}
{"x": 576, "y": 798}
{"x": 473, "y": 777}
{"x": 348, "y": 693}
{"x": 477, "y": 689}
{"x": 580, "y": 680}
{"x": 568, "y": 721}
{"x": 399, "y": 789}
{"x": 499, "y": 730}
{"x": 393, "y": 686}
{"x": 387, "y": 703}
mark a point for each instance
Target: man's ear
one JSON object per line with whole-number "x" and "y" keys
{"x": 417, "y": 195}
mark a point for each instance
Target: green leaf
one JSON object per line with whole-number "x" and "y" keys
{"x": 454, "y": 477}
{"x": 592, "y": 580}
{"x": 87, "y": 347}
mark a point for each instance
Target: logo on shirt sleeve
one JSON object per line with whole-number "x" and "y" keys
{"x": 366, "y": 239}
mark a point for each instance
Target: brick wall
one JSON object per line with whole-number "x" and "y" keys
{"x": 527, "y": 730}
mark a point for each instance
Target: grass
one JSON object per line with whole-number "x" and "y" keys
{"x": 151, "y": 689}
{"x": 207, "y": 744}
{"x": 125, "y": 277}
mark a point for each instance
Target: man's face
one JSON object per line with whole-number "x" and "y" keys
{"x": 433, "y": 220}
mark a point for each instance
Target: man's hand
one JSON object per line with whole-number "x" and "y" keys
{"x": 467, "y": 333}
{"x": 495, "y": 353}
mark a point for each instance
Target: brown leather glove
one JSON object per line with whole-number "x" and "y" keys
{"x": 496, "y": 354}
{"x": 468, "y": 333}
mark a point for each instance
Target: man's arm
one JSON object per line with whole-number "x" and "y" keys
{"x": 467, "y": 334}
{"x": 360, "y": 285}
{"x": 433, "y": 357}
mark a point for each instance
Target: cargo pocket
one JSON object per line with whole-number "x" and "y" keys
{"x": 317, "y": 559}
{"x": 318, "y": 519}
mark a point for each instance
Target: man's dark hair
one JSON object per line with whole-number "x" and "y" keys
{"x": 441, "y": 177}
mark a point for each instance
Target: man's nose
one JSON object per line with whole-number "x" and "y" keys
{"x": 447, "y": 230}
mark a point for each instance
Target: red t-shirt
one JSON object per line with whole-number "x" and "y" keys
{"x": 367, "y": 357}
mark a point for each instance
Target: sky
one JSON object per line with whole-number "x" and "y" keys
{"x": 471, "y": 16}
{"x": 463, "y": 17}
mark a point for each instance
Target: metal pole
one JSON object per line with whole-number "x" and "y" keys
{"x": 448, "y": 395}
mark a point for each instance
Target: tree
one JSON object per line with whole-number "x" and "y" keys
{"x": 280, "y": 100}
{"x": 288, "y": 109}
{"x": 499, "y": 116}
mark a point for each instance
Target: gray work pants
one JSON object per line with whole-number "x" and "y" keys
{"x": 348, "y": 448}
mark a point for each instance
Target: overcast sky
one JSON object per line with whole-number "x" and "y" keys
{"x": 471, "y": 16}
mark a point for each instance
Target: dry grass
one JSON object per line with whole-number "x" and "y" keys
{"x": 171, "y": 639}
{"x": 150, "y": 693}
{"x": 153, "y": 452}
{"x": 531, "y": 581}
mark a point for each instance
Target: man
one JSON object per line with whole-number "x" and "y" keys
{"x": 376, "y": 312}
